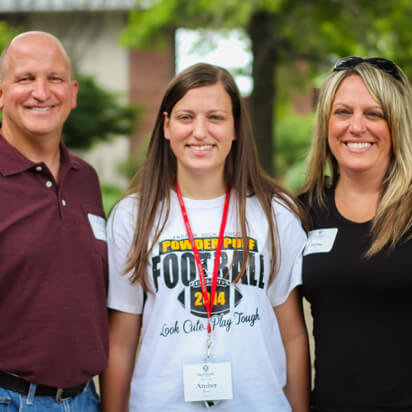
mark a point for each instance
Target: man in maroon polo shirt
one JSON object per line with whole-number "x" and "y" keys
{"x": 53, "y": 324}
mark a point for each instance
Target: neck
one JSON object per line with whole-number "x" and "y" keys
{"x": 45, "y": 150}
{"x": 361, "y": 183}
{"x": 201, "y": 187}
{"x": 358, "y": 199}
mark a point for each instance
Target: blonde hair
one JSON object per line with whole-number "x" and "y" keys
{"x": 393, "y": 217}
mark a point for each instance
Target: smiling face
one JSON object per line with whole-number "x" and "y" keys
{"x": 201, "y": 130}
{"x": 358, "y": 134}
{"x": 37, "y": 92}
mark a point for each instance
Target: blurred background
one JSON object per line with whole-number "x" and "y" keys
{"x": 125, "y": 52}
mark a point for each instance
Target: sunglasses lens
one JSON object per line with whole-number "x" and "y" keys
{"x": 347, "y": 63}
{"x": 383, "y": 64}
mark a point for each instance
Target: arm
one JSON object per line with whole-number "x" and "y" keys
{"x": 124, "y": 333}
{"x": 295, "y": 340}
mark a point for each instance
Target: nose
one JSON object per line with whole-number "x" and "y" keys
{"x": 357, "y": 124}
{"x": 40, "y": 89}
{"x": 200, "y": 128}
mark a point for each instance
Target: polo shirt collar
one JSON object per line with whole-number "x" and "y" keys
{"x": 13, "y": 162}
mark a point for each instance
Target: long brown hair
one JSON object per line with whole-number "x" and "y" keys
{"x": 156, "y": 178}
{"x": 393, "y": 217}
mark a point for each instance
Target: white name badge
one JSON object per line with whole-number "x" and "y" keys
{"x": 207, "y": 381}
{"x": 320, "y": 241}
{"x": 98, "y": 225}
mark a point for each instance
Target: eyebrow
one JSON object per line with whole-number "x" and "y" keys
{"x": 209, "y": 111}
{"x": 31, "y": 73}
{"x": 23, "y": 73}
{"x": 346, "y": 104}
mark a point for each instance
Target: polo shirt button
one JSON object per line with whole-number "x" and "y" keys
{"x": 49, "y": 183}
{"x": 39, "y": 168}
{"x": 64, "y": 202}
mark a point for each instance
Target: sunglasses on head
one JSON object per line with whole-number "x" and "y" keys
{"x": 383, "y": 64}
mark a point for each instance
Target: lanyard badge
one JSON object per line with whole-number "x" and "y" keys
{"x": 207, "y": 381}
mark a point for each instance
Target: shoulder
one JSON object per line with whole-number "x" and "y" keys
{"x": 83, "y": 182}
{"x": 79, "y": 162}
{"x": 281, "y": 207}
{"x": 327, "y": 195}
{"x": 317, "y": 212}
{"x": 288, "y": 224}
{"x": 82, "y": 165}
{"x": 281, "y": 212}
{"x": 122, "y": 221}
{"x": 126, "y": 208}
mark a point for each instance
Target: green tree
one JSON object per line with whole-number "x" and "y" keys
{"x": 283, "y": 32}
{"x": 7, "y": 32}
{"x": 98, "y": 116}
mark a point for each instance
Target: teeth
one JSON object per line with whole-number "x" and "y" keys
{"x": 204, "y": 147}
{"x": 40, "y": 109}
{"x": 359, "y": 145}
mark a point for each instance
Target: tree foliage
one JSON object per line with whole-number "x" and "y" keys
{"x": 294, "y": 133}
{"x": 7, "y": 32}
{"x": 283, "y": 32}
{"x": 98, "y": 116}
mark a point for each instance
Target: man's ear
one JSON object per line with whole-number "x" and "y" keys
{"x": 75, "y": 90}
{"x": 1, "y": 99}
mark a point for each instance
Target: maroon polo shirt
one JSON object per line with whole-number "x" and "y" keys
{"x": 53, "y": 270}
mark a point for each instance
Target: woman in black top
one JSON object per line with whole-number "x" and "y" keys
{"x": 357, "y": 272}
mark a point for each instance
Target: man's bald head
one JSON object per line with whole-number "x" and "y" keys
{"x": 37, "y": 92}
{"x": 28, "y": 37}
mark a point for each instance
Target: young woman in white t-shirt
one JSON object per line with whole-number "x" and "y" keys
{"x": 204, "y": 258}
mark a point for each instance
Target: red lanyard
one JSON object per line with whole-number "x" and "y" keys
{"x": 208, "y": 302}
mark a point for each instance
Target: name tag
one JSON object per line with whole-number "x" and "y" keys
{"x": 320, "y": 241}
{"x": 98, "y": 225}
{"x": 207, "y": 381}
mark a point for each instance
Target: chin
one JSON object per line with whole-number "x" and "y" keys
{"x": 376, "y": 169}
{"x": 42, "y": 129}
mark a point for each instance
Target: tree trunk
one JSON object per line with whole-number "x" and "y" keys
{"x": 261, "y": 28}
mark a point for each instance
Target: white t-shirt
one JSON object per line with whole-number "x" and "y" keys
{"x": 245, "y": 330}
